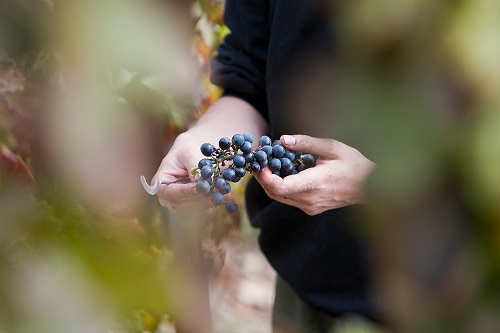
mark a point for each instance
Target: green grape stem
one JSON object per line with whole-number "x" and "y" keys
{"x": 215, "y": 160}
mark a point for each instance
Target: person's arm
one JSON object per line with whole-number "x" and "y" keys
{"x": 240, "y": 69}
{"x": 337, "y": 180}
{"x": 226, "y": 117}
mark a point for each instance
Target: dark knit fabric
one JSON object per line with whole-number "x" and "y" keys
{"x": 319, "y": 256}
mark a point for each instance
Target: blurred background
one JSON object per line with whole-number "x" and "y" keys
{"x": 92, "y": 93}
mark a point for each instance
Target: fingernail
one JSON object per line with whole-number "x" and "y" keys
{"x": 289, "y": 140}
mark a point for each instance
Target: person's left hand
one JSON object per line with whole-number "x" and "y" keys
{"x": 337, "y": 180}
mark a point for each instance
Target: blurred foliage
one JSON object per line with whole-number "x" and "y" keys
{"x": 418, "y": 92}
{"x": 93, "y": 92}
{"x": 91, "y": 95}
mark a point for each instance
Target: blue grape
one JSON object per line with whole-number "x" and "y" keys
{"x": 289, "y": 154}
{"x": 286, "y": 164}
{"x": 276, "y": 142}
{"x": 287, "y": 167}
{"x": 308, "y": 160}
{"x": 246, "y": 148}
{"x": 228, "y": 174}
{"x": 226, "y": 189}
{"x": 202, "y": 186}
{"x": 219, "y": 183}
{"x": 240, "y": 172}
{"x": 260, "y": 156}
{"x": 255, "y": 166}
{"x": 268, "y": 150}
{"x": 231, "y": 207}
{"x": 217, "y": 198}
{"x": 249, "y": 158}
{"x": 265, "y": 141}
{"x": 206, "y": 172}
{"x": 248, "y": 137}
{"x": 275, "y": 164}
{"x": 278, "y": 151}
{"x": 207, "y": 149}
{"x": 203, "y": 162}
{"x": 224, "y": 143}
{"x": 263, "y": 164}
{"x": 239, "y": 160}
{"x": 238, "y": 140}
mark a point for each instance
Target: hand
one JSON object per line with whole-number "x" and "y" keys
{"x": 337, "y": 180}
{"x": 184, "y": 155}
{"x": 185, "y": 152}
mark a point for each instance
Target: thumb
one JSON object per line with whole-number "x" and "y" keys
{"x": 324, "y": 148}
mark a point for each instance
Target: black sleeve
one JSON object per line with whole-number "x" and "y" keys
{"x": 240, "y": 65}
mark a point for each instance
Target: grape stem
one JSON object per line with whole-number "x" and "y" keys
{"x": 215, "y": 161}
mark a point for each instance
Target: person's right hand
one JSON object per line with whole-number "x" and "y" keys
{"x": 185, "y": 152}
{"x": 184, "y": 155}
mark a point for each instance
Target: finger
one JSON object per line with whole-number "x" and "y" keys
{"x": 306, "y": 206}
{"x": 191, "y": 204}
{"x": 291, "y": 186}
{"x": 177, "y": 191}
{"x": 324, "y": 148}
{"x": 186, "y": 206}
{"x": 269, "y": 181}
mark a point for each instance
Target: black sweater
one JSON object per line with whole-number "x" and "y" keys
{"x": 272, "y": 46}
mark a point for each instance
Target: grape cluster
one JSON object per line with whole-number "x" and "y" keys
{"x": 235, "y": 157}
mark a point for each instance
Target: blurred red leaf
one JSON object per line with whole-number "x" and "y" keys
{"x": 14, "y": 169}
